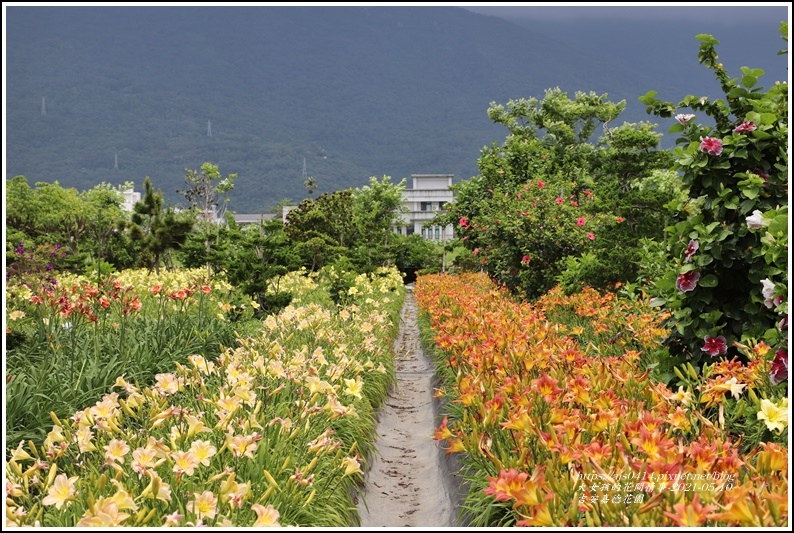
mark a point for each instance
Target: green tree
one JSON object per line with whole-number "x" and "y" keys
{"x": 262, "y": 254}
{"x": 48, "y": 213}
{"x": 376, "y": 208}
{"x": 207, "y": 193}
{"x": 102, "y": 214}
{"x": 323, "y": 228}
{"x": 310, "y": 184}
{"x": 548, "y": 198}
{"x": 157, "y": 230}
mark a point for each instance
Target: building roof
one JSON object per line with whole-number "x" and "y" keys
{"x": 252, "y": 218}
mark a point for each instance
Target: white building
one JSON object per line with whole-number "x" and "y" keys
{"x": 425, "y": 199}
{"x": 130, "y": 199}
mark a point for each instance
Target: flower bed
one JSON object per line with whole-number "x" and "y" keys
{"x": 273, "y": 432}
{"x": 66, "y": 342}
{"x": 559, "y": 424}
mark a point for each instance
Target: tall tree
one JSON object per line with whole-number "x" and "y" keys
{"x": 377, "y": 207}
{"x": 547, "y": 197}
{"x": 158, "y": 229}
{"x": 207, "y": 192}
{"x": 322, "y": 228}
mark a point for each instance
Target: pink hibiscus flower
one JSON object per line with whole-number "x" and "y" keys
{"x": 715, "y": 346}
{"x": 687, "y": 281}
{"x": 711, "y": 145}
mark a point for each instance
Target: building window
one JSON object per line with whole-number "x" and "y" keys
{"x": 438, "y": 233}
{"x": 409, "y": 230}
{"x": 425, "y": 206}
{"x": 424, "y": 232}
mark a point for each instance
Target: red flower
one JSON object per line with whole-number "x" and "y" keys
{"x": 690, "y": 250}
{"x": 525, "y": 259}
{"x": 135, "y": 304}
{"x": 104, "y": 302}
{"x": 464, "y": 221}
{"x": 620, "y": 219}
{"x": 206, "y": 289}
{"x": 745, "y": 127}
{"x": 711, "y": 145}
{"x": 580, "y": 221}
{"x": 541, "y": 184}
{"x": 559, "y": 200}
{"x": 687, "y": 281}
{"x": 591, "y": 236}
{"x": 778, "y": 372}
{"x": 714, "y": 346}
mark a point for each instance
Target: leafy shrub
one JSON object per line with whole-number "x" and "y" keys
{"x": 728, "y": 248}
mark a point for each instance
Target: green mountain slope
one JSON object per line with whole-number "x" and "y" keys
{"x": 356, "y": 91}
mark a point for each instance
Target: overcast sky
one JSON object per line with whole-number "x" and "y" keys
{"x": 730, "y": 13}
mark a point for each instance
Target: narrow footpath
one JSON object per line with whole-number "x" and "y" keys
{"x": 407, "y": 485}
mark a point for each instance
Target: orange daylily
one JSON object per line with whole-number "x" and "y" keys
{"x": 690, "y": 514}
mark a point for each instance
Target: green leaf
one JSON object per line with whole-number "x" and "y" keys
{"x": 778, "y": 225}
{"x": 709, "y": 280}
{"x": 746, "y": 206}
{"x": 768, "y": 118}
{"x": 675, "y": 128}
{"x": 749, "y": 81}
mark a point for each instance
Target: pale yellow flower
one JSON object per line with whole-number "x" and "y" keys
{"x": 122, "y": 498}
{"x": 354, "y": 387}
{"x": 203, "y": 505}
{"x": 84, "y": 440}
{"x": 16, "y": 315}
{"x": 242, "y": 445}
{"x": 61, "y": 492}
{"x": 227, "y": 403}
{"x": 116, "y": 450}
{"x": 196, "y": 425}
{"x": 105, "y": 514}
{"x": 204, "y": 450}
{"x": 157, "y": 484}
{"x": 234, "y": 493}
{"x": 685, "y": 397}
{"x": 351, "y": 466}
{"x": 167, "y": 384}
{"x": 143, "y": 459}
{"x": 775, "y": 417}
{"x": 21, "y": 455}
{"x": 265, "y": 516}
{"x": 184, "y": 462}
{"x": 173, "y": 519}
{"x": 203, "y": 366}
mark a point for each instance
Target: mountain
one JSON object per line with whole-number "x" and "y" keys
{"x": 356, "y": 91}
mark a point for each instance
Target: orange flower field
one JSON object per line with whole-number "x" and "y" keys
{"x": 558, "y": 422}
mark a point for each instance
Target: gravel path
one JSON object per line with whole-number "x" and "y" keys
{"x": 408, "y": 484}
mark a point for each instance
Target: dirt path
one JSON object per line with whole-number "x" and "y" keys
{"x": 408, "y": 484}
